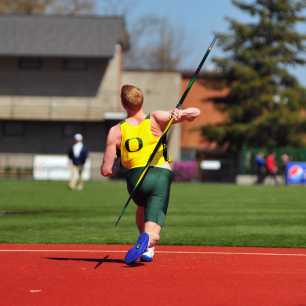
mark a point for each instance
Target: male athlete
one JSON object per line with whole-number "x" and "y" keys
{"x": 136, "y": 138}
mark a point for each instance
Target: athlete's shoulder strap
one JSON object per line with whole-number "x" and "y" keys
{"x": 164, "y": 143}
{"x": 165, "y": 147}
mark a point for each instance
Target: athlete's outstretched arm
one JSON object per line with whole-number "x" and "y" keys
{"x": 112, "y": 142}
{"x": 178, "y": 115}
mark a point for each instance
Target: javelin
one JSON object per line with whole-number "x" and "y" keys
{"x": 164, "y": 134}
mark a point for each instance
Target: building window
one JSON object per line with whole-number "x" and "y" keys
{"x": 75, "y": 64}
{"x": 16, "y": 129}
{"x": 30, "y": 63}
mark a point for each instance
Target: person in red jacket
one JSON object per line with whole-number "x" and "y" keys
{"x": 271, "y": 167}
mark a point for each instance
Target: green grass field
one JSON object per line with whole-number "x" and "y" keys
{"x": 199, "y": 214}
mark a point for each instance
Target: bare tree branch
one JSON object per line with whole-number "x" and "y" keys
{"x": 119, "y": 7}
{"x": 156, "y": 44}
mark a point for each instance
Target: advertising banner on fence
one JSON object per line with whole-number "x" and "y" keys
{"x": 55, "y": 167}
{"x": 296, "y": 173}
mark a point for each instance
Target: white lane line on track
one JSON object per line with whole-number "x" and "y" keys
{"x": 160, "y": 252}
{"x": 232, "y": 253}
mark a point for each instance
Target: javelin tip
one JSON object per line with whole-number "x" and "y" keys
{"x": 212, "y": 43}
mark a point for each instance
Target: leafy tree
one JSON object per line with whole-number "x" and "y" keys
{"x": 72, "y": 7}
{"x": 24, "y": 6}
{"x": 265, "y": 103}
{"x": 47, "y": 6}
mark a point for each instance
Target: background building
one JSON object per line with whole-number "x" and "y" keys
{"x": 62, "y": 74}
{"x": 204, "y": 90}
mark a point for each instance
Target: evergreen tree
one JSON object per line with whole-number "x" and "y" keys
{"x": 265, "y": 105}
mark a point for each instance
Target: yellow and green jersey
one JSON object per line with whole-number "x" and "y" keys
{"x": 137, "y": 144}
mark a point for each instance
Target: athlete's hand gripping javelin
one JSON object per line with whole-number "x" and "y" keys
{"x": 188, "y": 114}
{"x": 177, "y": 115}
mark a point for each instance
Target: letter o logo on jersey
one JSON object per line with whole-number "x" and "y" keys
{"x": 133, "y": 144}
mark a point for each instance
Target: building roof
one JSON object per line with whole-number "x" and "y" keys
{"x": 61, "y": 36}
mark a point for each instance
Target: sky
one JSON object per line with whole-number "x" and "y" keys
{"x": 200, "y": 19}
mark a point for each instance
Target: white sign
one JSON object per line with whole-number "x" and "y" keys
{"x": 114, "y": 115}
{"x": 55, "y": 167}
{"x": 210, "y": 165}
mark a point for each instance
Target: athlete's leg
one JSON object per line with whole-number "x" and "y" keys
{"x": 157, "y": 204}
{"x": 154, "y": 193}
{"x": 274, "y": 176}
{"x": 73, "y": 176}
{"x": 140, "y": 218}
{"x": 80, "y": 183}
{"x": 148, "y": 255}
{"x": 153, "y": 229}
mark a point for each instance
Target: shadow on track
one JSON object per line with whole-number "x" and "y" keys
{"x": 99, "y": 261}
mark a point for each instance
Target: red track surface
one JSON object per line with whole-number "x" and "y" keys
{"x": 92, "y": 275}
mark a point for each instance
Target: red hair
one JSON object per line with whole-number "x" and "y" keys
{"x": 131, "y": 97}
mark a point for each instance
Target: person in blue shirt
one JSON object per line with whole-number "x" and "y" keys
{"x": 78, "y": 155}
{"x": 260, "y": 167}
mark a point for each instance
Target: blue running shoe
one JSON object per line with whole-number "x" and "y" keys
{"x": 138, "y": 249}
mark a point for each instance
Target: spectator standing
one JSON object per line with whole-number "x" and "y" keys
{"x": 77, "y": 154}
{"x": 271, "y": 167}
{"x": 285, "y": 160}
{"x": 260, "y": 167}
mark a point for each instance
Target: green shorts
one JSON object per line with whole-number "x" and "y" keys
{"x": 153, "y": 193}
